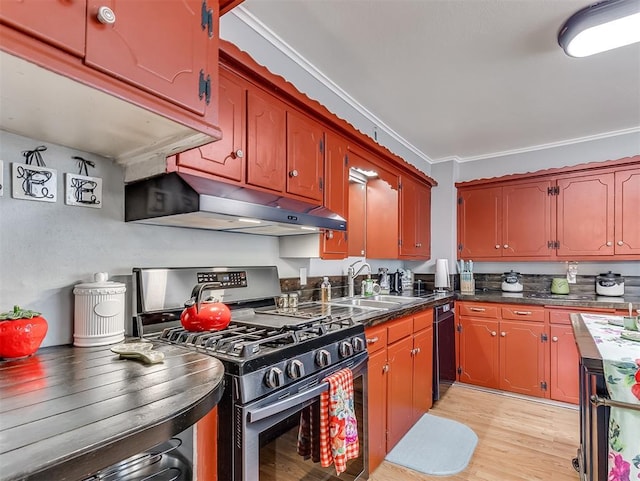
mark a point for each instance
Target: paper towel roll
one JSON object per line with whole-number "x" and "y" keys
{"x": 442, "y": 274}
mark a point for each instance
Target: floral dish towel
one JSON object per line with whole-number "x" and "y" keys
{"x": 623, "y": 383}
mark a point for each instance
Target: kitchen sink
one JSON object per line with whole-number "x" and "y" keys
{"x": 396, "y": 299}
{"x": 368, "y": 302}
{"x": 377, "y": 302}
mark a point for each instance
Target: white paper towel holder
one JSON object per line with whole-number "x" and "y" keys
{"x": 442, "y": 282}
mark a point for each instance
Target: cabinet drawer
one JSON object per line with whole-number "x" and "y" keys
{"x": 399, "y": 329}
{"x": 376, "y": 338}
{"x": 528, "y": 313}
{"x": 478, "y": 310}
{"x": 560, "y": 316}
{"x": 422, "y": 320}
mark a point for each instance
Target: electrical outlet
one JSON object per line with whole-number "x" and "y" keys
{"x": 303, "y": 276}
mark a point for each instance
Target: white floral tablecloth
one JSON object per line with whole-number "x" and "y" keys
{"x": 621, "y": 362}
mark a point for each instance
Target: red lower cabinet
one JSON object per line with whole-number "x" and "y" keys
{"x": 377, "y": 408}
{"x": 400, "y": 380}
{"x": 565, "y": 360}
{"x": 207, "y": 446}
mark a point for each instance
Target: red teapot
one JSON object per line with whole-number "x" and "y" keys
{"x": 199, "y": 315}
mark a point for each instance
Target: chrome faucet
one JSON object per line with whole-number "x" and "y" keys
{"x": 352, "y": 274}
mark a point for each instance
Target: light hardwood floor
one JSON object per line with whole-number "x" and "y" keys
{"x": 518, "y": 439}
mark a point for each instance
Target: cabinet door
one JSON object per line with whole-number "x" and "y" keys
{"x": 356, "y": 224}
{"x": 479, "y": 223}
{"x": 423, "y": 221}
{"x": 377, "y": 398}
{"x": 478, "y": 351}
{"x": 408, "y": 218}
{"x": 59, "y": 23}
{"x": 207, "y": 446}
{"x": 266, "y": 141}
{"x": 564, "y": 376}
{"x": 224, "y": 158}
{"x": 336, "y": 185}
{"x": 585, "y": 207}
{"x": 167, "y": 60}
{"x": 399, "y": 390}
{"x": 527, "y": 219}
{"x": 381, "y": 220}
{"x": 422, "y": 372}
{"x": 522, "y": 357}
{"x": 627, "y": 212}
{"x": 305, "y": 156}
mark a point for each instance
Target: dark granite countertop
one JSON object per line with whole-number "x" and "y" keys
{"x": 67, "y": 411}
{"x": 427, "y": 300}
{"x": 558, "y": 300}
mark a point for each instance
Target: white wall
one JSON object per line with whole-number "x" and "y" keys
{"x": 46, "y": 248}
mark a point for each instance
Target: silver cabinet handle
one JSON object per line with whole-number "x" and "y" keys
{"x": 497, "y": 246}
{"x": 385, "y": 368}
{"x": 609, "y": 244}
{"x": 494, "y": 333}
{"x": 506, "y": 246}
{"x": 523, "y": 313}
{"x": 503, "y": 334}
{"x": 620, "y": 243}
{"x": 372, "y": 340}
{"x": 477, "y": 309}
{"x": 293, "y": 173}
{"x": 554, "y": 338}
{"x": 239, "y": 153}
{"x": 106, "y": 16}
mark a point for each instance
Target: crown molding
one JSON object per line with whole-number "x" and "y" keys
{"x": 534, "y": 148}
{"x": 270, "y": 36}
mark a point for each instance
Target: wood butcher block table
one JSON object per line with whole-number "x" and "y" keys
{"x": 66, "y": 412}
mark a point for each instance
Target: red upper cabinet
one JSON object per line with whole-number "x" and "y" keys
{"x": 627, "y": 212}
{"x": 584, "y": 212}
{"x": 305, "y": 156}
{"x": 266, "y": 141}
{"x": 381, "y": 220}
{"x": 480, "y": 222}
{"x": 514, "y": 220}
{"x": 167, "y": 48}
{"x": 226, "y": 157}
{"x": 585, "y": 205}
{"x": 336, "y": 194}
{"x": 61, "y": 24}
{"x": 527, "y": 219}
{"x": 415, "y": 219}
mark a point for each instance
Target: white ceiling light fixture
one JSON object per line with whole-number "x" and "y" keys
{"x": 600, "y": 27}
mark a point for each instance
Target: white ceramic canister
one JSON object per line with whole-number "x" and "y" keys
{"x": 99, "y": 312}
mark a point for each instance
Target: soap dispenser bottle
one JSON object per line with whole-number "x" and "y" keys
{"x": 325, "y": 290}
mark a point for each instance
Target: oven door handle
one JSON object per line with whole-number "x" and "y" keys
{"x": 254, "y": 415}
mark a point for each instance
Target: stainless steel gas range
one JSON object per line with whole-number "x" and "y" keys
{"x": 276, "y": 361}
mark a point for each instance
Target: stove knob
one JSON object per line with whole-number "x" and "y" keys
{"x": 323, "y": 358}
{"x": 274, "y": 377}
{"x": 295, "y": 369}
{"x": 345, "y": 349}
{"x": 358, "y": 344}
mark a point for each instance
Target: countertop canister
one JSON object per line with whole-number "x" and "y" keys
{"x": 99, "y": 312}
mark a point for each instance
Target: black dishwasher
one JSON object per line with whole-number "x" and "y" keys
{"x": 444, "y": 349}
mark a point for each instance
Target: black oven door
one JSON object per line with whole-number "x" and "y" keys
{"x": 268, "y": 448}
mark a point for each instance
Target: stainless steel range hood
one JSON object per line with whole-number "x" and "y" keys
{"x": 184, "y": 200}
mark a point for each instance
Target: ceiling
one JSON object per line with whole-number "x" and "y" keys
{"x": 463, "y": 79}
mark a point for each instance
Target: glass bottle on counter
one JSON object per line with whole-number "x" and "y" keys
{"x": 325, "y": 290}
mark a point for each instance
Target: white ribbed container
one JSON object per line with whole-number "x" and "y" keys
{"x": 99, "y": 312}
